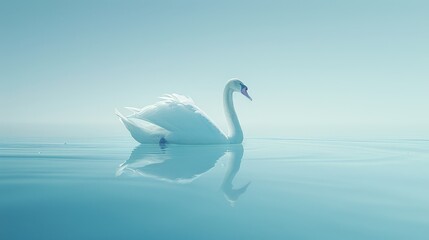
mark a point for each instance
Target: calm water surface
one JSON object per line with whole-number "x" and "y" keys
{"x": 263, "y": 189}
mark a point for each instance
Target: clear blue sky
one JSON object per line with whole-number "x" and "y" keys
{"x": 314, "y": 68}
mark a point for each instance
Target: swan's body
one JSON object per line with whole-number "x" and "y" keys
{"x": 176, "y": 119}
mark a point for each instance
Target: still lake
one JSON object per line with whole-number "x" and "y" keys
{"x": 263, "y": 189}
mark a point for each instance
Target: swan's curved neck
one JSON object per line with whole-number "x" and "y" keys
{"x": 235, "y": 134}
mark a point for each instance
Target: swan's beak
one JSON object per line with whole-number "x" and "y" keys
{"x": 244, "y": 92}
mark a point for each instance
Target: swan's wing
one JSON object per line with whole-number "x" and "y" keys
{"x": 186, "y": 122}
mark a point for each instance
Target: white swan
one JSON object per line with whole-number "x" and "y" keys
{"x": 177, "y": 120}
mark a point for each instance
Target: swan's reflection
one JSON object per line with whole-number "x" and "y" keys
{"x": 231, "y": 194}
{"x": 184, "y": 164}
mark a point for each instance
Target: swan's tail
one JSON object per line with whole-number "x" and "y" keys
{"x": 129, "y": 124}
{"x": 121, "y": 117}
{"x": 142, "y": 131}
{"x": 119, "y": 114}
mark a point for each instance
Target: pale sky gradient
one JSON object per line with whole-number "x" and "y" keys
{"x": 314, "y": 68}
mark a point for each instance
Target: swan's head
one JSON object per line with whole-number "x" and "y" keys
{"x": 238, "y": 86}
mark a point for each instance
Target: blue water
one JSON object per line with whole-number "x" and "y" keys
{"x": 263, "y": 189}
